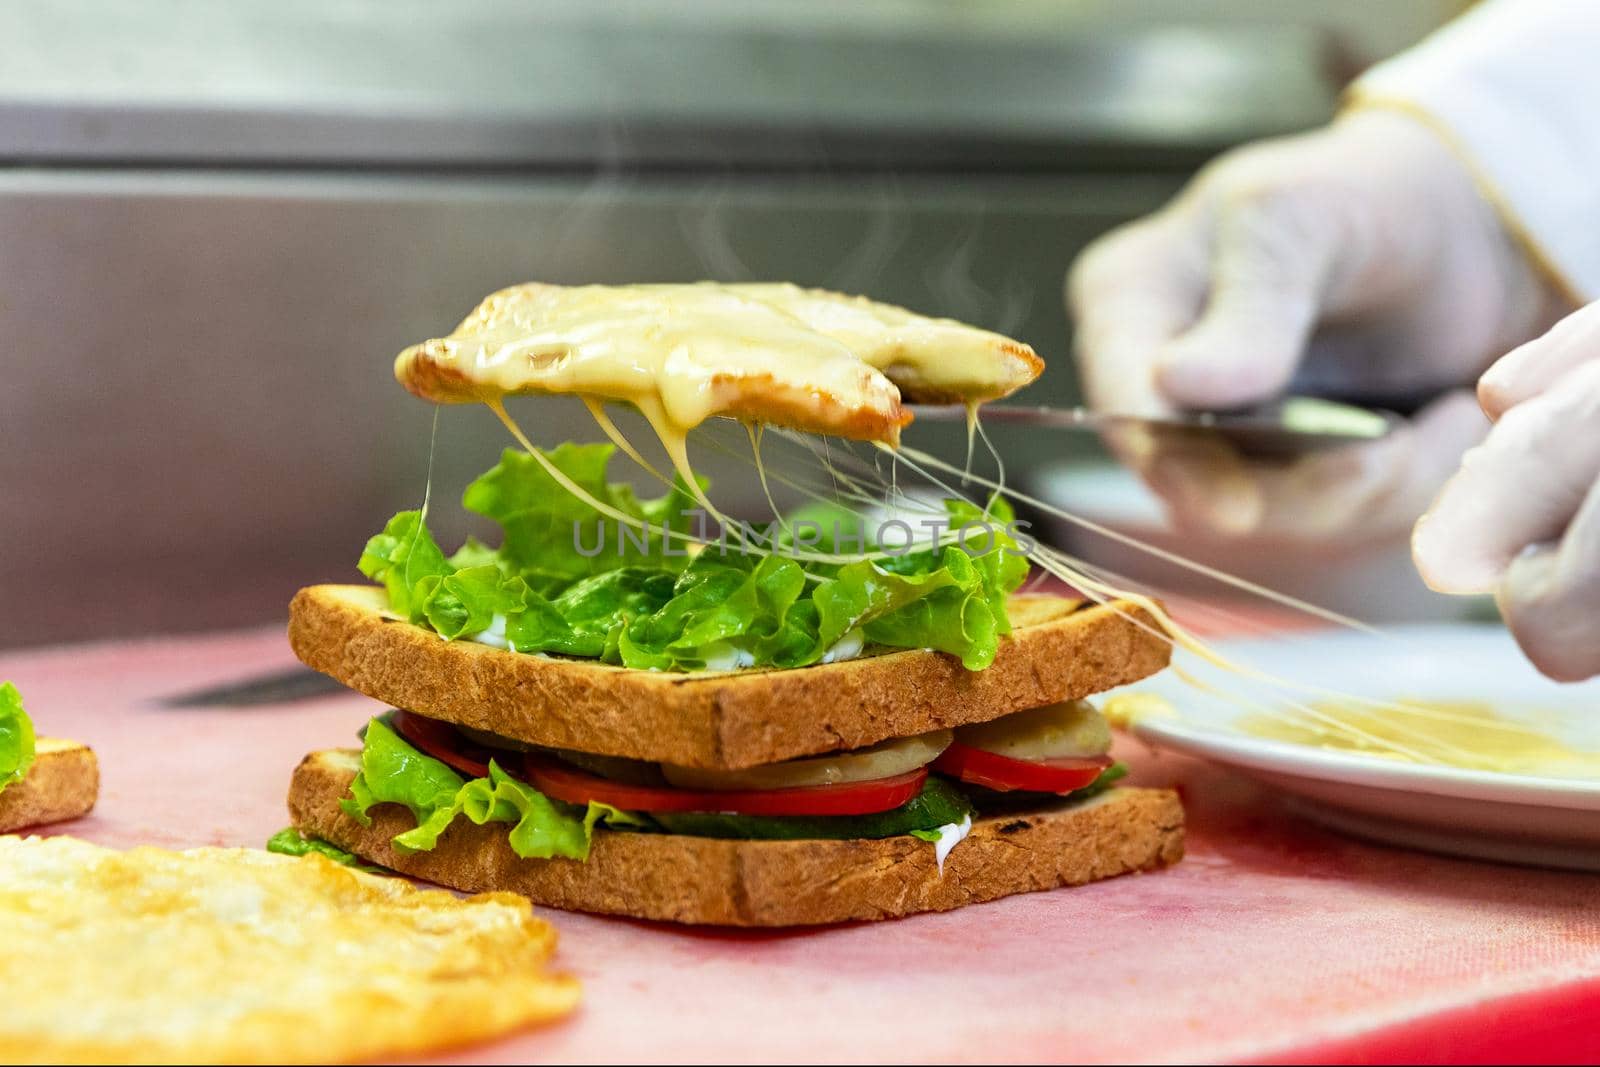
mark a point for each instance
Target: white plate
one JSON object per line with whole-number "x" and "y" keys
{"x": 1508, "y": 817}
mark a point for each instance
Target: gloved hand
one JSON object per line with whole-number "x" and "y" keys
{"x": 1522, "y": 518}
{"x": 1356, "y": 260}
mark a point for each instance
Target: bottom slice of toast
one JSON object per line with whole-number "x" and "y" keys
{"x": 62, "y": 784}
{"x": 714, "y": 881}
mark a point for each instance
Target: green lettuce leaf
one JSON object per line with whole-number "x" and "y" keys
{"x": 722, "y": 605}
{"x": 966, "y": 614}
{"x": 16, "y": 736}
{"x": 1108, "y": 777}
{"x": 552, "y": 537}
{"x": 291, "y": 842}
{"x": 467, "y": 601}
{"x": 597, "y": 608}
{"x": 570, "y": 581}
{"x": 401, "y": 557}
{"x": 393, "y": 772}
{"x": 474, "y": 553}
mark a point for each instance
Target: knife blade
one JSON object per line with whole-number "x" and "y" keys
{"x": 275, "y": 687}
{"x": 1286, "y": 429}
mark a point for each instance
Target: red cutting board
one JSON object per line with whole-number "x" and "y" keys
{"x": 1272, "y": 940}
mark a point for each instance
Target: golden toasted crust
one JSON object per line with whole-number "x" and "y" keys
{"x": 616, "y": 343}
{"x": 63, "y": 783}
{"x": 1027, "y": 367}
{"x": 765, "y": 883}
{"x": 906, "y": 346}
{"x": 426, "y": 374}
{"x": 1059, "y": 649}
{"x": 239, "y": 956}
{"x": 760, "y": 398}
{"x": 810, "y": 359}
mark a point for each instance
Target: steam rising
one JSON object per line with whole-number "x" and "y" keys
{"x": 959, "y": 294}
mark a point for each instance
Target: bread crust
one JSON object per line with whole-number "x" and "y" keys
{"x": 902, "y": 355}
{"x": 427, "y": 372}
{"x": 62, "y": 784}
{"x": 711, "y": 881}
{"x": 1060, "y": 649}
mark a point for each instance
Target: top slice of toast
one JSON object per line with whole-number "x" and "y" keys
{"x": 1059, "y": 649}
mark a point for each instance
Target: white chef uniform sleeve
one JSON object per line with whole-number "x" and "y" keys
{"x": 1514, "y": 87}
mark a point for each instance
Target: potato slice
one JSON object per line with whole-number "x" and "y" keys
{"x": 883, "y": 760}
{"x": 1073, "y": 728}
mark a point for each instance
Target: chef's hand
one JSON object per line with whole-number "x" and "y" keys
{"x": 1522, "y": 517}
{"x": 1359, "y": 259}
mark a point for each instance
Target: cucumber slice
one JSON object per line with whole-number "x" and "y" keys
{"x": 939, "y": 804}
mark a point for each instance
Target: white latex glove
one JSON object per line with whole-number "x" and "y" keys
{"x": 1358, "y": 260}
{"x": 1522, "y": 518}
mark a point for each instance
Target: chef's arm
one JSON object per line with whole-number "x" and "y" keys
{"x": 1513, "y": 88}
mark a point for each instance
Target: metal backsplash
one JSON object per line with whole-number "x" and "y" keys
{"x": 216, "y": 232}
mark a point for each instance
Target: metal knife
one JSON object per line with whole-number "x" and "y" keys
{"x": 276, "y": 687}
{"x": 1285, "y": 429}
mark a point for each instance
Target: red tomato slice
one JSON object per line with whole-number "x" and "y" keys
{"x": 1003, "y": 773}
{"x": 565, "y": 782}
{"x": 448, "y": 745}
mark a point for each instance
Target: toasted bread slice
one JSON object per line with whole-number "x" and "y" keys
{"x": 1059, "y": 649}
{"x": 682, "y": 353}
{"x": 63, "y": 783}
{"x": 931, "y": 361}
{"x": 765, "y": 883}
{"x": 815, "y": 360}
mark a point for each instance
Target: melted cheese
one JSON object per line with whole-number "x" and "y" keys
{"x": 1122, "y": 710}
{"x": 814, "y": 360}
{"x": 1466, "y": 734}
{"x": 679, "y": 353}
{"x": 931, "y": 360}
{"x": 765, "y": 353}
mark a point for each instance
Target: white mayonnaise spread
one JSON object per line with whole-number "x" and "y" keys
{"x": 950, "y": 835}
{"x": 494, "y": 636}
{"x": 722, "y": 656}
{"x": 847, "y": 647}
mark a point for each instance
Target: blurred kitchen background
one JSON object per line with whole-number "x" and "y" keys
{"x": 220, "y": 221}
